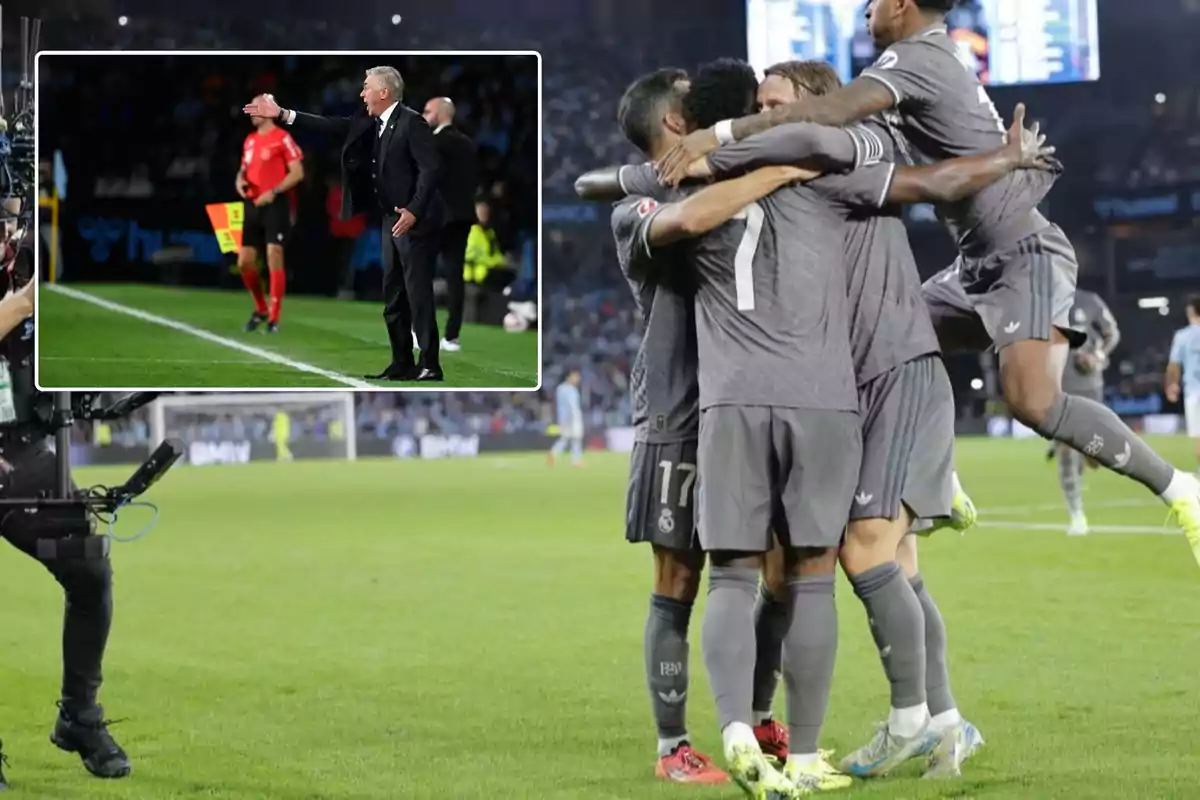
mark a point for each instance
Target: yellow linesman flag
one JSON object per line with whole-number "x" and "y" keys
{"x": 227, "y": 219}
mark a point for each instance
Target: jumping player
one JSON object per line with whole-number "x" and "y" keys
{"x": 271, "y": 168}
{"x": 1013, "y": 284}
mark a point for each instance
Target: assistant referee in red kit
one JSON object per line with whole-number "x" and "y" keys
{"x": 271, "y": 166}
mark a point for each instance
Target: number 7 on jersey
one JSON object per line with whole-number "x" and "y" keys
{"x": 743, "y": 259}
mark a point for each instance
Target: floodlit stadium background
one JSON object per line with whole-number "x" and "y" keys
{"x": 469, "y": 624}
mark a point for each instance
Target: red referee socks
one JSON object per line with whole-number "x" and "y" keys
{"x": 278, "y": 284}
{"x": 251, "y": 279}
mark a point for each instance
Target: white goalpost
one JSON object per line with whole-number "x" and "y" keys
{"x": 235, "y": 428}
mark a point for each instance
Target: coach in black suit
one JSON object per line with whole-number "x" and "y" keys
{"x": 459, "y": 183}
{"x": 389, "y": 158}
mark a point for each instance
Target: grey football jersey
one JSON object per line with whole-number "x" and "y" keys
{"x": 771, "y": 310}
{"x": 1090, "y": 314}
{"x": 889, "y": 322}
{"x": 663, "y": 380}
{"x": 943, "y": 111}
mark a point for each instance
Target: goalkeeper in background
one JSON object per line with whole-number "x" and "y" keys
{"x": 1083, "y": 376}
{"x": 282, "y": 434}
{"x": 271, "y": 168}
{"x": 568, "y": 404}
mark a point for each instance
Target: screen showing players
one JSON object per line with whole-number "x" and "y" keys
{"x": 1009, "y": 42}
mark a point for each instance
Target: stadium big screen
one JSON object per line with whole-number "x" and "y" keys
{"x": 1009, "y": 42}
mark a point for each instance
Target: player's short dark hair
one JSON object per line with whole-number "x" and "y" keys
{"x": 646, "y": 102}
{"x": 813, "y": 77}
{"x": 937, "y": 5}
{"x": 1193, "y": 304}
{"x": 723, "y": 89}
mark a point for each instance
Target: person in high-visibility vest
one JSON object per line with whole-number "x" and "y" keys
{"x": 282, "y": 435}
{"x": 483, "y": 251}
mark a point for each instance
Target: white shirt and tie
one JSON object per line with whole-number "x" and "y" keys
{"x": 385, "y": 116}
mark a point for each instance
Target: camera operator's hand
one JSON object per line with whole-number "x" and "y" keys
{"x": 16, "y": 308}
{"x": 28, "y": 295}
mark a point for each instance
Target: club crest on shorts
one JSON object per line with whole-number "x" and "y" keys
{"x": 646, "y": 206}
{"x": 666, "y": 521}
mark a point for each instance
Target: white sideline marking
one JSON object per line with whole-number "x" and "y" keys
{"x": 120, "y": 360}
{"x": 1061, "y": 527}
{"x": 1061, "y": 506}
{"x": 200, "y": 333}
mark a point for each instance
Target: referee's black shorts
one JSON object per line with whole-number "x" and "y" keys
{"x": 269, "y": 224}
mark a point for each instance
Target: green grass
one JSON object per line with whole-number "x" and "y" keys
{"x": 85, "y": 345}
{"x": 473, "y": 629}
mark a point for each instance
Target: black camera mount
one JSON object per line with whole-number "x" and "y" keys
{"x": 18, "y": 171}
{"x": 69, "y": 408}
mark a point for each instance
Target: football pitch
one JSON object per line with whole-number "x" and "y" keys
{"x": 473, "y": 629}
{"x": 135, "y": 337}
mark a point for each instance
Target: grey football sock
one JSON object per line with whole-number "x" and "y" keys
{"x": 937, "y": 674}
{"x": 809, "y": 653}
{"x": 898, "y": 625}
{"x": 1094, "y": 430}
{"x": 667, "y": 664}
{"x": 729, "y": 641}
{"x": 1070, "y": 478}
{"x": 771, "y": 619}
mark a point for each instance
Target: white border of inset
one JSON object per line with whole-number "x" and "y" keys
{"x": 350, "y": 383}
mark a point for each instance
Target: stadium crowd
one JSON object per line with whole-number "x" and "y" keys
{"x": 584, "y": 71}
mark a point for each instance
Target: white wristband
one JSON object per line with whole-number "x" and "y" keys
{"x": 724, "y": 131}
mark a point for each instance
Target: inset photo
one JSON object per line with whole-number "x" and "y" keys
{"x": 288, "y": 221}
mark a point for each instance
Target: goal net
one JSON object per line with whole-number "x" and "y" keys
{"x": 239, "y": 428}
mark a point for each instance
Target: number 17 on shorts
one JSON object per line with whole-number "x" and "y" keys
{"x": 660, "y": 502}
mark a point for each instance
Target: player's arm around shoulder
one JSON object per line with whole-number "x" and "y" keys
{"x": 715, "y": 205}
{"x": 816, "y": 148}
{"x": 959, "y": 178}
{"x": 851, "y": 103}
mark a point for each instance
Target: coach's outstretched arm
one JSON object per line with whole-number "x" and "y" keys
{"x": 265, "y": 106}
{"x": 959, "y": 178}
